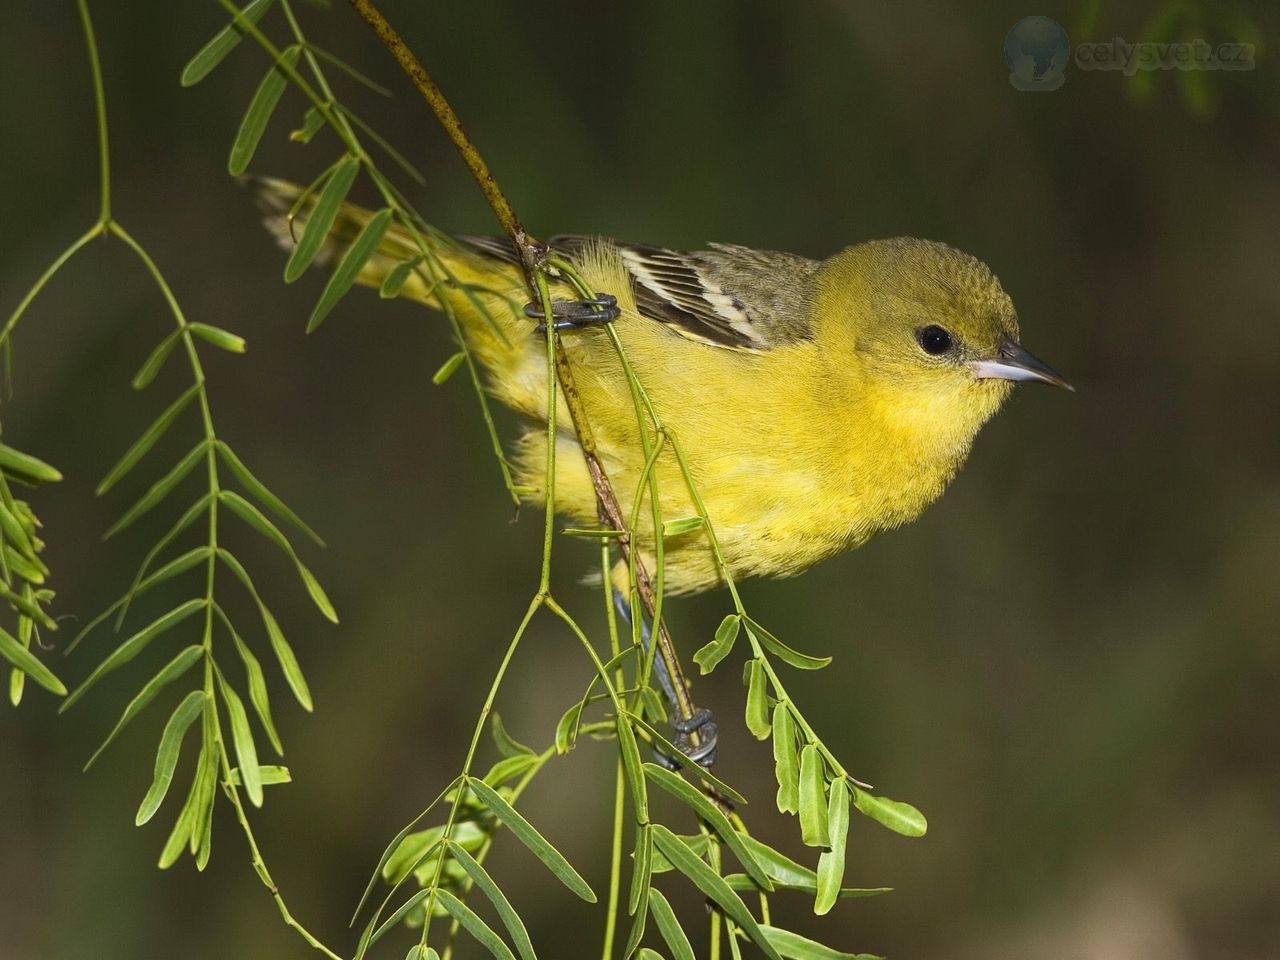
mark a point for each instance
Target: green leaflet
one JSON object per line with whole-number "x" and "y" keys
{"x": 813, "y": 798}
{"x": 757, "y": 716}
{"x": 742, "y": 882}
{"x": 669, "y": 926}
{"x": 538, "y": 845}
{"x": 16, "y": 532}
{"x": 719, "y": 648}
{"x": 251, "y": 515}
{"x": 448, "y": 368}
{"x": 364, "y": 246}
{"x": 699, "y": 843}
{"x": 507, "y": 745}
{"x": 784, "y": 871}
{"x": 148, "y": 439}
{"x": 288, "y": 661}
{"x": 795, "y": 658}
{"x": 641, "y": 868}
{"x": 222, "y": 339}
{"x": 171, "y": 569}
{"x": 202, "y": 821}
{"x": 26, "y": 661}
{"x": 284, "y": 652}
{"x": 711, "y": 884}
{"x": 242, "y": 740}
{"x": 786, "y": 761}
{"x": 261, "y": 493}
{"x": 261, "y": 107}
{"x": 795, "y": 947}
{"x": 373, "y": 936}
{"x": 171, "y": 671}
{"x": 181, "y": 832}
{"x": 789, "y": 875}
{"x": 679, "y": 525}
{"x": 188, "y": 517}
{"x": 135, "y": 645}
{"x": 638, "y": 920}
{"x": 899, "y": 817}
{"x": 631, "y": 767}
{"x": 258, "y": 695}
{"x": 31, "y": 571}
{"x": 567, "y": 728}
{"x": 680, "y": 788}
{"x": 155, "y": 361}
{"x": 320, "y": 220}
{"x": 396, "y": 278}
{"x": 222, "y": 43}
{"x": 479, "y": 930}
{"x": 510, "y": 919}
{"x": 831, "y": 862}
{"x": 27, "y": 606}
{"x": 167, "y": 754}
{"x": 24, "y": 465}
{"x": 508, "y": 768}
{"x": 159, "y": 490}
{"x": 313, "y": 122}
{"x": 270, "y": 774}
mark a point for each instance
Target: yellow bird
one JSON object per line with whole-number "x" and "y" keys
{"x": 817, "y": 402}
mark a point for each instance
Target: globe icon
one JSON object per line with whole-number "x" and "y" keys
{"x": 1037, "y": 51}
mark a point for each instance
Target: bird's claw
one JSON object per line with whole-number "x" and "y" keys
{"x": 703, "y": 724}
{"x": 572, "y": 314}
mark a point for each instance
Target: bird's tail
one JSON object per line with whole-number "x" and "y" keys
{"x": 479, "y": 288}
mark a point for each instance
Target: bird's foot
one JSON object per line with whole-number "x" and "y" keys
{"x": 699, "y": 726}
{"x": 575, "y": 314}
{"x": 703, "y": 725}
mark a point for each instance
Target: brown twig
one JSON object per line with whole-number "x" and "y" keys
{"x": 532, "y": 255}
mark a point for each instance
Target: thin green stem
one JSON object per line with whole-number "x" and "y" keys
{"x": 485, "y": 710}
{"x": 473, "y": 372}
{"x": 615, "y": 861}
{"x": 619, "y": 778}
{"x": 100, "y": 107}
{"x": 260, "y": 865}
{"x": 321, "y": 102}
{"x": 548, "y": 534}
{"x": 516, "y": 790}
{"x": 45, "y": 277}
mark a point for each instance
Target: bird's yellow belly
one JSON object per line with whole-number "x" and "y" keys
{"x": 773, "y": 516}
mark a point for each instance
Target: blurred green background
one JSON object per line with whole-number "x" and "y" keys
{"x": 1070, "y": 663}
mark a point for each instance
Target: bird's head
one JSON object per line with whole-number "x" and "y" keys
{"x": 933, "y": 335}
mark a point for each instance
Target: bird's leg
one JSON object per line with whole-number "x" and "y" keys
{"x": 701, "y": 723}
{"x": 573, "y": 314}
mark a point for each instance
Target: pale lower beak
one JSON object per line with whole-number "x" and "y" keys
{"x": 1012, "y": 362}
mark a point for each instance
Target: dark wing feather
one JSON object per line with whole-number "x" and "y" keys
{"x": 727, "y": 296}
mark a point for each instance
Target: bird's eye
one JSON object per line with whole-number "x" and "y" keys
{"x": 934, "y": 340}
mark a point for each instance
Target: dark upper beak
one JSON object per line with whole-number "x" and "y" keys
{"x": 1012, "y": 362}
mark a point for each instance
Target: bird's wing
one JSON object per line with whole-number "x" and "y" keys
{"x": 726, "y": 296}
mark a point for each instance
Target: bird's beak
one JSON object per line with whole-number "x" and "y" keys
{"x": 1012, "y": 362}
